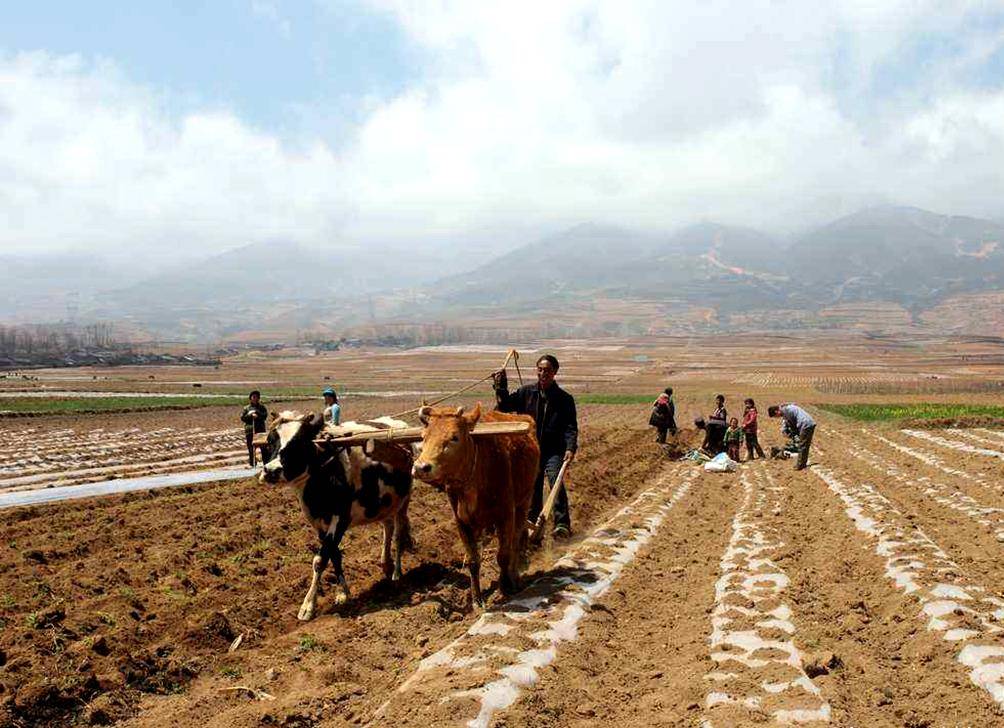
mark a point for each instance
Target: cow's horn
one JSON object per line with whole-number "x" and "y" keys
{"x": 460, "y": 410}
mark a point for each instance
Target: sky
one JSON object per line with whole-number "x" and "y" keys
{"x": 188, "y": 128}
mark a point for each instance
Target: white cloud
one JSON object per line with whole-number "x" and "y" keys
{"x": 268, "y": 10}
{"x": 89, "y": 160}
{"x": 645, "y": 114}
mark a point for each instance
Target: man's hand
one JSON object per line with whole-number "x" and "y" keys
{"x": 500, "y": 380}
{"x": 569, "y": 456}
{"x": 254, "y": 414}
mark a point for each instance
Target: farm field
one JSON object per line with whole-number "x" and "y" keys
{"x": 867, "y": 590}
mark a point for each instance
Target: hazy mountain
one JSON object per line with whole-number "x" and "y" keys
{"x": 900, "y": 253}
{"x": 728, "y": 246}
{"x": 898, "y": 257}
{"x": 281, "y": 271}
{"x": 583, "y": 257}
{"x": 55, "y": 286}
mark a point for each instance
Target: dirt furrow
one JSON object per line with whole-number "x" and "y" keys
{"x": 483, "y": 672}
{"x": 963, "y": 614}
{"x": 965, "y": 470}
{"x": 642, "y": 654}
{"x": 957, "y": 445}
{"x": 921, "y": 488}
{"x": 758, "y": 674}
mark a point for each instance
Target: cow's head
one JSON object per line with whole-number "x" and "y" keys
{"x": 446, "y": 443}
{"x": 291, "y": 447}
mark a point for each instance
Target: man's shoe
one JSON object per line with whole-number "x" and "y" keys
{"x": 561, "y": 531}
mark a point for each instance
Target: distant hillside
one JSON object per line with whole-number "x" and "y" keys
{"x": 53, "y": 286}
{"x": 264, "y": 273}
{"x": 900, "y": 253}
{"x": 615, "y": 260}
{"x": 580, "y": 258}
{"x": 879, "y": 269}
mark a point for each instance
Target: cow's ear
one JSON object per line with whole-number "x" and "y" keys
{"x": 274, "y": 416}
{"x": 423, "y": 414}
{"x": 473, "y": 416}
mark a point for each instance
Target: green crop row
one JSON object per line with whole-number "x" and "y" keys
{"x": 923, "y": 411}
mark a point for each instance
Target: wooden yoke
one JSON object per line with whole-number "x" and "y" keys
{"x": 402, "y": 435}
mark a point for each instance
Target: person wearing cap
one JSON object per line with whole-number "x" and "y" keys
{"x": 332, "y": 410}
{"x": 553, "y": 412}
{"x": 253, "y": 416}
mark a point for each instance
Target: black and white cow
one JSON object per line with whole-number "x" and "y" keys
{"x": 340, "y": 487}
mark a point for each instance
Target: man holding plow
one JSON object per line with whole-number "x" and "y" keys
{"x": 553, "y": 412}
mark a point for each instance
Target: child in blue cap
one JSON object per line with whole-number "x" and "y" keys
{"x": 332, "y": 410}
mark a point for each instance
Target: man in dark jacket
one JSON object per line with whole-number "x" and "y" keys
{"x": 253, "y": 416}
{"x": 553, "y": 411}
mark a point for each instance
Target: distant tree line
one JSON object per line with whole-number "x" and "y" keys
{"x": 29, "y": 342}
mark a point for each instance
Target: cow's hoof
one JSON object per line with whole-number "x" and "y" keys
{"x": 341, "y": 598}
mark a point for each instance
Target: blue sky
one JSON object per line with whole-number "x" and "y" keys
{"x": 200, "y": 126}
{"x": 269, "y": 61}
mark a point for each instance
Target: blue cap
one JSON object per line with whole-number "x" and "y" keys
{"x": 328, "y": 391}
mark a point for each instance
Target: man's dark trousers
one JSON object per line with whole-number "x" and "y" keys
{"x": 249, "y": 437}
{"x": 550, "y": 465}
{"x": 804, "y": 441}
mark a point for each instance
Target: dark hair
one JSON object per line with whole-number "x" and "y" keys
{"x": 550, "y": 359}
{"x": 749, "y": 401}
{"x": 253, "y": 393}
{"x": 773, "y": 410}
{"x": 668, "y": 390}
{"x": 720, "y": 397}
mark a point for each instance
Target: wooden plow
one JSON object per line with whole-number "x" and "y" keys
{"x": 536, "y": 527}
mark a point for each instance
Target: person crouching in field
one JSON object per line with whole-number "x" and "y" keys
{"x": 663, "y": 417}
{"x": 800, "y": 422}
{"x": 750, "y": 430}
{"x": 733, "y": 439}
{"x": 253, "y": 416}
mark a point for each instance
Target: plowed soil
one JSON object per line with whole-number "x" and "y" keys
{"x": 126, "y": 605}
{"x": 178, "y": 606}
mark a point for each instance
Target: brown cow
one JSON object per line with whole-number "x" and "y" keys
{"x": 489, "y": 481}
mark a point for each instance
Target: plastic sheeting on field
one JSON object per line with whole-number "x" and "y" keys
{"x": 721, "y": 463}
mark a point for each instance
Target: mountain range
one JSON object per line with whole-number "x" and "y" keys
{"x": 897, "y": 256}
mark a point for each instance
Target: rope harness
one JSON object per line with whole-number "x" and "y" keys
{"x": 513, "y": 354}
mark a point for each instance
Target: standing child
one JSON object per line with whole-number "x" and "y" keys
{"x": 750, "y": 430}
{"x": 332, "y": 410}
{"x": 733, "y": 439}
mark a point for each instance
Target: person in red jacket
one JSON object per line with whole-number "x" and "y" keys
{"x": 749, "y": 429}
